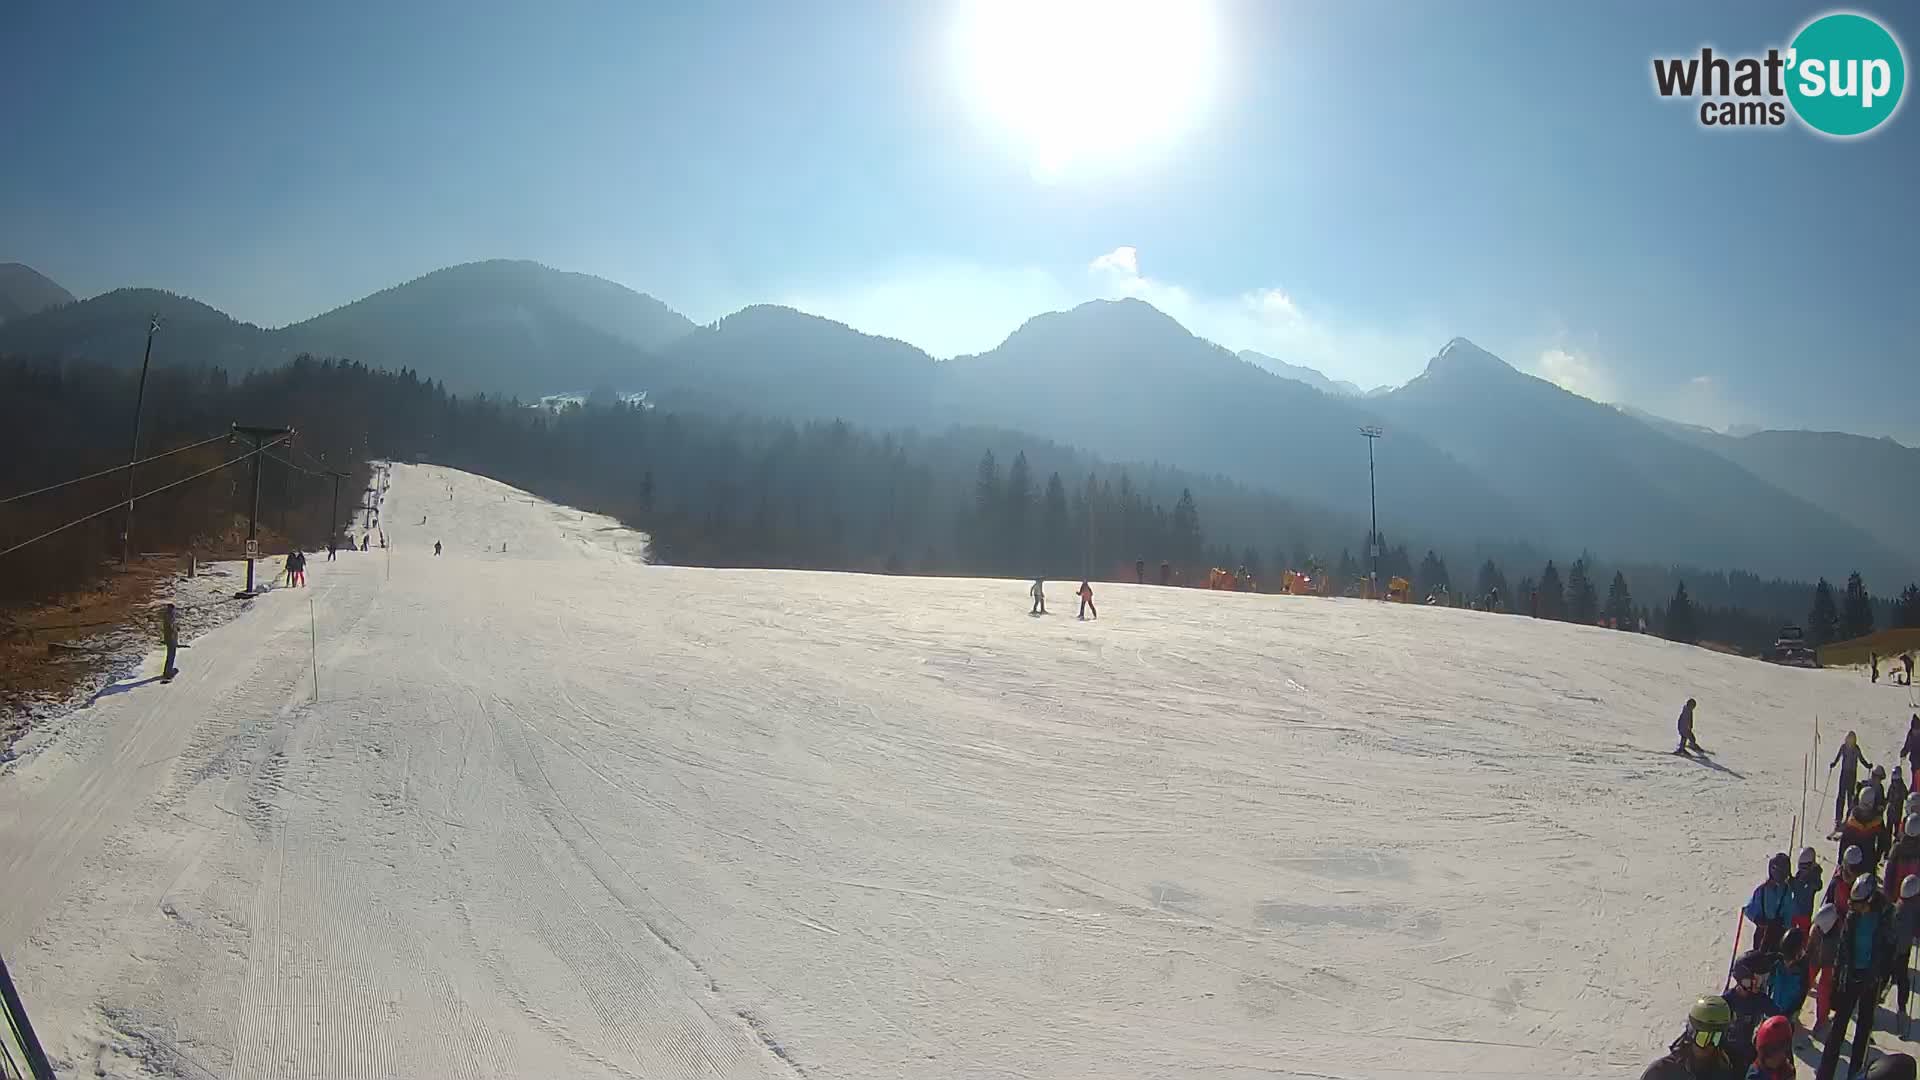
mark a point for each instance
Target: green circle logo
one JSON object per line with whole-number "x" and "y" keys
{"x": 1845, "y": 74}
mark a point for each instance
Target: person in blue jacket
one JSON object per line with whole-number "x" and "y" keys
{"x": 1773, "y": 904}
{"x": 1791, "y": 977}
{"x": 1866, "y": 947}
{"x": 1808, "y": 880}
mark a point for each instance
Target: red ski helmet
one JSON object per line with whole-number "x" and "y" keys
{"x": 1774, "y": 1035}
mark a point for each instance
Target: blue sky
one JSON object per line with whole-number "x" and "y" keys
{"x": 1345, "y": 186}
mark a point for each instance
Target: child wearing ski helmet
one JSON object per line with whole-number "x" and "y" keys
{"x": 1906, "y": 926}
{"x": 1806, "y": 885}
{"x": 1823, "y": 950}
{"x": 1771, "y": 907}
{"x": 1700, "y": 1051}
{"x": 1903, "y": 859}
{"x": 1750, "y": 1003}
{"x": 1865, "y": 829}
{"x": 1865, "y": 946}
{"x": 1877, "y": 780}
{"x": 1772, "y": 1050}
{"x": 1791, "y": 978}
{"x": 1853, "y": 863}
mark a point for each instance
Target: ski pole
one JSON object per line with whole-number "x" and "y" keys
{"x": 1738, "y": 925}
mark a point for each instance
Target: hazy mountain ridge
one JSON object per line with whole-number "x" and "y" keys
{"x": 24, "y": 291}
{"x": 1297, "y": 373}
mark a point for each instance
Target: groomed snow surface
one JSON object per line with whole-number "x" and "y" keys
{"x": 560, "y": 813}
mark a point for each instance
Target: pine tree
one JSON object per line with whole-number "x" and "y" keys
{"x": 1906, "y": 609}
{"x": 1620, "y": 603}
{"x": 1523, "y": 597}
{"x": 1432, "y": 578}
{"x": 1250, "y": 559}
{"x": 1856, "y": 609}
{"x": 987, "y": 515}
{"x": 1186, "y": 540}
{"x": 1823, "y": 622}
{"x": 1553, "y": 603}
{"x": 1490, "y": 579}
{"x": 1055, "y": 528}
{"x": 1583, "y": 604}
{"x": 1016, "y": 509}
{"x": 1680, "y": 623}
{"x": 1348, "y": 570}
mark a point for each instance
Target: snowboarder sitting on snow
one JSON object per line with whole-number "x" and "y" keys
{"x": 1791, "y": 976}
{"x": 1849, "y": 759}
{"x": 1772, "y": 905}
{"x": 1772, "y": 1050}
{"x": 1039, "y": 595}
{"x": 1086, "y": 601}
{"x": 1864, "y": 828}
{"x": 1699, "y": 1053}
{"x": 1865, "y": 946}
{"x": 1686, "y": 733}
{"x": 1806, "y": 884}
{"x": 1750, "y": 1003}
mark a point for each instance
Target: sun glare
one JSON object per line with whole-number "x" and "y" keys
{"x": 1085, "y": 83}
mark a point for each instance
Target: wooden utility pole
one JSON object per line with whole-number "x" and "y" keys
{"x": 1373, "y": 541}
{"x": 259, "y": 435}
{"x": 133, "y": 454}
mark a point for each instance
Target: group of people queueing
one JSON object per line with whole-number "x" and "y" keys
{"x": 1846, "y": 943}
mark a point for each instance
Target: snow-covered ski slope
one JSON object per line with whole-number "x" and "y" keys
{"x": 560, "y": 813}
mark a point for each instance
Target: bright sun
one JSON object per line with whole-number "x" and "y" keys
{"x": 1085, "y": 82}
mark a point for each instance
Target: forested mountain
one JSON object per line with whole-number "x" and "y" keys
{"x": 24, "y": 290}
{"x": 1866, "y": 481}
{"x": 1599, "y": 477}
{"x": 499, "y": 326}
{"x": 1297, "y": 373}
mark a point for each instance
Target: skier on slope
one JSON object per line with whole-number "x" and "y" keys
{"x": 1906, "y": 924}
{"x": 1039, "y": 594}
{"x": 1849, "y": 759}
{"x": 1865, "y": 829}
{"x": 1686, "y": 732}
{"x": 170, "y": 637}
{"x": 1911, "y": 748}
{"x": 1771, "y": 907}
{"x": 1699, "y": 1053}
{"x": 1866, "y": 947}
{"x": 1750, "y": 1003}
{"x": 1873, "y": 667}
{"x": 1823, "y": 951}
{"x": 436, "y": 547}
{"x": 1906, "y": 665}
{"x": 1086, "y": 601}
{"x": 1806, "y": 885}
{"x": 1791, "y": 978}
{"x": 1897, "y": 798}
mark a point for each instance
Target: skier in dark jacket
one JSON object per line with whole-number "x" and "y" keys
{"x": 1700, "y": 1051}
{"x": 1906, "y": 926}
{"x": 1772, "y": 905}
{"x": 1877, "y": 780}
{"x": 1865, "y": 948}
{"x": 1750, "y": 1003}
{"x": 1865, "y": 829}
{"x": 1896, "y": 798}
{"x": 1903, "y": 859}
{"x": 1686, "y": 729}
{"x": 1849, "y": 759}
{"x": 1806, "y": 885}
{"x": 1911, "y": 748}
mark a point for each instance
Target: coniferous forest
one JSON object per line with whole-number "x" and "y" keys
{"x": 738, "y": 490}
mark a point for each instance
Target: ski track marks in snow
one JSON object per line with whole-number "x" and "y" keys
{"x": 559, "y": 812}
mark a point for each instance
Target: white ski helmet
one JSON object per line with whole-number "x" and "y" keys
{"x": 1855, "y": 857}
{"x": 1864, "y": 887}
{"x": 1808, "y": 857}
{"x": 1910, "y": 887}
{"x": 1826, "y": 918}
{"x": 1868, "y": 797}
{"x": 1913, "y": 824}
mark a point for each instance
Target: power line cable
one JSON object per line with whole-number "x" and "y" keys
{"x": 115, "y": 469}
{"x": 143, "y": 495}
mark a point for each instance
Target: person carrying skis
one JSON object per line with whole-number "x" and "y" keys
{"x": 1750, "y": 1003}
{"x": 1772, "y": 1050}
{"x": 1086, "y": 601}
{"x": 1865, "y": 945}
{"x": 1806, "y": 884}
{"x": 1771, "y": 907}
{"x": 1686, "y": 733}
{"x": 1897, "y": 798}
{"x": 1791, "y": 978}
{"x": 1906, "y": 924}
{"x": 1039, "y": 595}
{"x": 1849, "y": 759}
{"x": 1700, "y": 1051}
